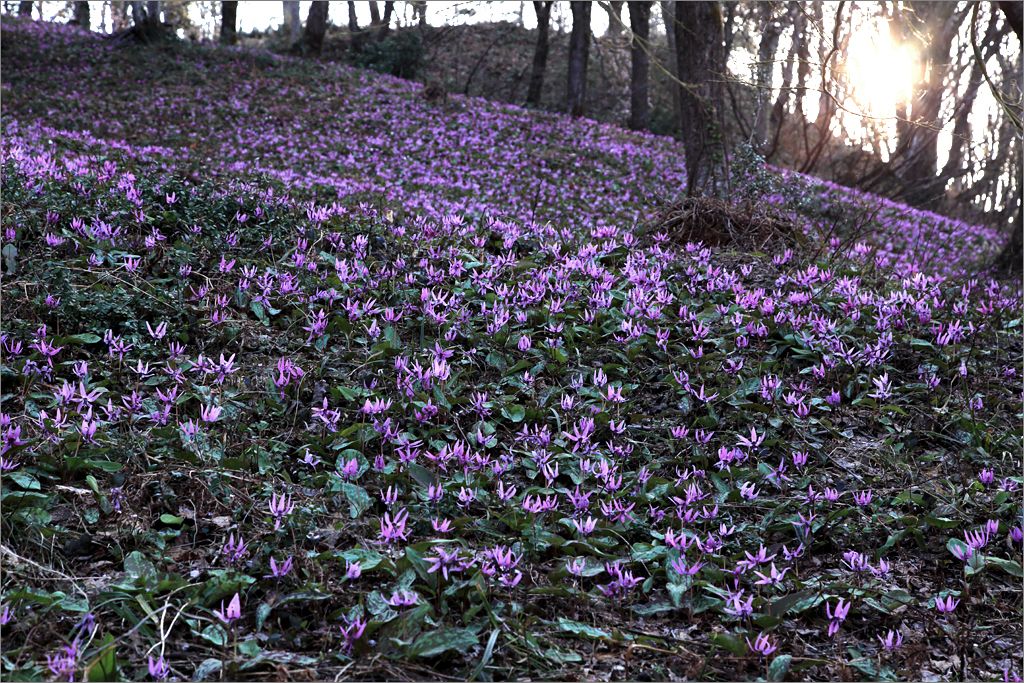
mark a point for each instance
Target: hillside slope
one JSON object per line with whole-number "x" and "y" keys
{"x": 306, "y": 378}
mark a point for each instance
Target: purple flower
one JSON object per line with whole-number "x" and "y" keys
{"x": 233, "y": 611}
{"x": 158, "y": 668}
{"x": 762, "y": 645}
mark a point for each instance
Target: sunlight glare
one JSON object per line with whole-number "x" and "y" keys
{"x": 881, "y": 72}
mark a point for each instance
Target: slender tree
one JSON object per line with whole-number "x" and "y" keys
{"x": 374, "y": 13}
{"x": 353, "y": 20}
{"x": 316, "y": 27}
{"x": 385, "y": 22}
{"x": 934, "y": 25}
{"x": 293, "y": 22}
{"x": 579, "y": 48}
{"x": 614, "y": 10}
{"x": 540, "y": 52}
{"x": 82, "y": 17}
{"x": 640, "y": 65}
{"x": 228, "y": 22}
{"x": 765, "y": 66}
{"x": 25, "y": 8}
{"x": 700, "y": 64}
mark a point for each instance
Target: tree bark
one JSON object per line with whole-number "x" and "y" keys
{"x": 640, "y": 64}
{"x": 374, "y": 13}
{"x": 353, "y": 20}
{"x": 385, "y": 22}
{"x": 540, "y": 52}
{"x": 25, "y": 8}
{"x": 668, "y": 17}
{"x": 938, "y": 24}
{"x": 778, "y": 115}
{"x": 765, "y": 66}
{"x": 614, "y": 10}
{"x": 961, "y": 138}
{"x": 1014, "y": 12}
{"x": 579, "y": 48}
{"x": 316, "y": 27}
{"x": 293, "y": 22}
{"x": 700, "y": 63}
{"x": 82, "y": 17}
{"x": 228, "y": 22}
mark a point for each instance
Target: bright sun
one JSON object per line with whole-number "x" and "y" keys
{"x": 881, "y": 72}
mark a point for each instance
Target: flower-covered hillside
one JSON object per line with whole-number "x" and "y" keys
{"x": 251, "y": 430}
{"x": 346, "y": 133}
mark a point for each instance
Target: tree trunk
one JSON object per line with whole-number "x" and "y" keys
{"x": 961, "y": 137}
{"x": 1014, "y": 12}
{"x": 579, "y": 48}
{"x": 228, "y": 21}
{"x": 82, "y": 17}
{"x": 353, "y": 20}
{"x": 640, "y": 64}
{"x": 668, "y": 17}
{"x": 938, "y": 25}
{"x": 778, "y": 115}
{"x": 420, "y": 11}
{"x": 700, "y": 63}
{"x": 765, "y": 66}
{"x": 316, "y": 27}
{"x": 374, "y": 13}
{"x": 25, "y": 8}
{"x": 614, "y": 10}
{"x": 540, "y": 53}
{"x": 293, "y": 22}
{"x": 385, "y": 22}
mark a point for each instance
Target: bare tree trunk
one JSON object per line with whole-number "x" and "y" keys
{"x": 385, "y": 22}
{"x": 640, "y": 64}
{"x": 668, "y": 17}
{"x": 938, "y": 24}
{"x": 579, "y": 48}
{"x": 25, "y": 8}
{"x": 420, "y": 11}
{"x": 228, "y": 22}
{"x": 765, "y": 66}
{"x": 293, "y": 22}
{"x": 374, "y": 13}
{"x": 540, "y": 52}
{"x": 614, "y": 10}
{"x": 353, "y": 20}
{"x": 316, "y": 27}
{"x": 82, "y": 17}
{"x": 778, "y": 115}
{"x": 700, "y": 63}
{"x": 961, "y": 137}
{"x": 1014, "y": 12}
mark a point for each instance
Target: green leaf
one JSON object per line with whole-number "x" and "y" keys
{"x": 358, "y": 499}
{"x": 514, "y": 412}
{"x": 10, "y": 254}
{"x": 171, "y": 520}
{"x": 1011, "y": 567}
{"x": 779, "y": 667}
{"x": 216, "y": 634}
{"x": 580, "y": 629}
{"x": 730, "y": 643}
{"x": 206, "y": 669}
{"x": 137, "y": 566}
{"x": 488, "y": 652}
{"x": 84, "y": 338}
{"x": 443, "y": 640}
{"x": 104, "y": 666}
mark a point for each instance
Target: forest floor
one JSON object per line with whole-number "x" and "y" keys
{"x": 308, "y": 376}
